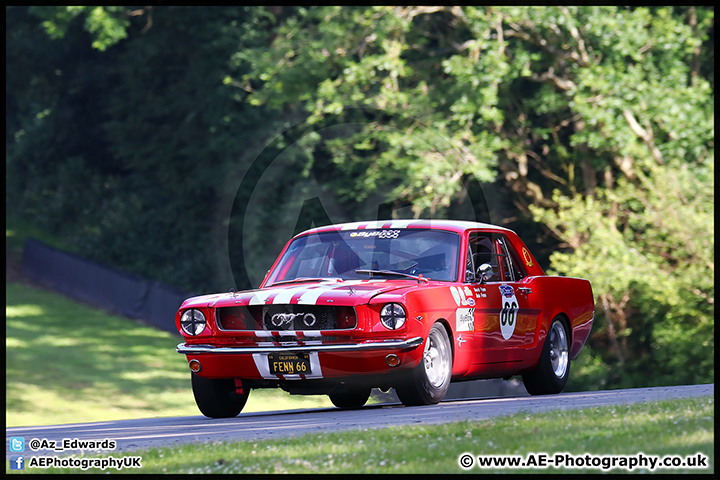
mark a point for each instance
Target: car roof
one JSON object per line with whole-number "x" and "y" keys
{"x": 458, "y": 226}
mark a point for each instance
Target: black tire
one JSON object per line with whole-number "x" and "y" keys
{"x": 553, "y": 369}
{"x": 429, "y": 381}
{"x": 217, "y": 398}
{"x": 356, "y": 397}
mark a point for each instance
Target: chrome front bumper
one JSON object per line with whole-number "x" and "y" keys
{"x": 184, "y": 348}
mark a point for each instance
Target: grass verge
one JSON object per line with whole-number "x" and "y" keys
{"x": 69, "y": 363}
{"x": 682, "y": 428}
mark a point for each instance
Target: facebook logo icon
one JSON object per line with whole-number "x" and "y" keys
{"x": 17, "y": 462}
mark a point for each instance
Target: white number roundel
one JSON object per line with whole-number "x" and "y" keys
{"x": 508, "y": 314}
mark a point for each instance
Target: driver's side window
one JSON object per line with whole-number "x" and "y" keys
{"x": 482, "y": 250}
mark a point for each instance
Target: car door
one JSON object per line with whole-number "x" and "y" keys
{"x": 506, "y": 314}
{"x": 519, "y": 304}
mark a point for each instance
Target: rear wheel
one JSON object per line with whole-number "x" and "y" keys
{"x": 553, "y": 370}
{"x": 429, "y": 381}
{"x": 353, "y": 398}
{"x": 217, "y": 398}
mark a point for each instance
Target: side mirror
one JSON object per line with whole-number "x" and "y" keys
{"x": 484, "y": 272}
{"x": 469, "y": 276}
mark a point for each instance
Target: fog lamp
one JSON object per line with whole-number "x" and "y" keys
{"x": 195, "y": 366}
{"x": 392, "y": 360}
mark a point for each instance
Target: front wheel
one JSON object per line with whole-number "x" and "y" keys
{"x": 553, "y": 370}
{"x": 429, "y": 381}
{"x": 217, "y": 398}
{"x": 353, "y": 398}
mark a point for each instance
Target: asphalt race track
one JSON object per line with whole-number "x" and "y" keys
{"x": 154, "y": 432}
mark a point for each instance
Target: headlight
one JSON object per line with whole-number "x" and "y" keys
{"x": 392, "y": 316}
{"x": 193, "y": 322}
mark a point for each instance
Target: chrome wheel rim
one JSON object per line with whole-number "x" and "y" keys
{"x": 436, "y": 359}
{"x": 559, "y": 356}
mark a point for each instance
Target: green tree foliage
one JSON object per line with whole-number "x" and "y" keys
{"x": 371, "y": 67}
{"x": 108, "y": 25}
{"x": 122, "y": 141}
{"x": 589, "y": 129}
{"x": 648, "y": 248}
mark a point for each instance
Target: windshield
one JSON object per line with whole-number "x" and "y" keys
{"x": 430, "y": 253}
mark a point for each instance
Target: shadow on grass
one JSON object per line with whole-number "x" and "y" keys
{"x": 84, "y": 355}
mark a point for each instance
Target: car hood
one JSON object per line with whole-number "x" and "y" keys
{"x": 338, "y": 293}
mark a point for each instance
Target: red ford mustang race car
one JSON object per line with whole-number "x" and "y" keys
{"x": 404, "y": 304}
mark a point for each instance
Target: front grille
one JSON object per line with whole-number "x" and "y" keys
{"x": 286, "y": 317}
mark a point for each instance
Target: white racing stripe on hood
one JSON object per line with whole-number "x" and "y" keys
{"x": 260, "y": 297}
{"x": 286, "y": 295}
{"x": 311, "y": 296}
